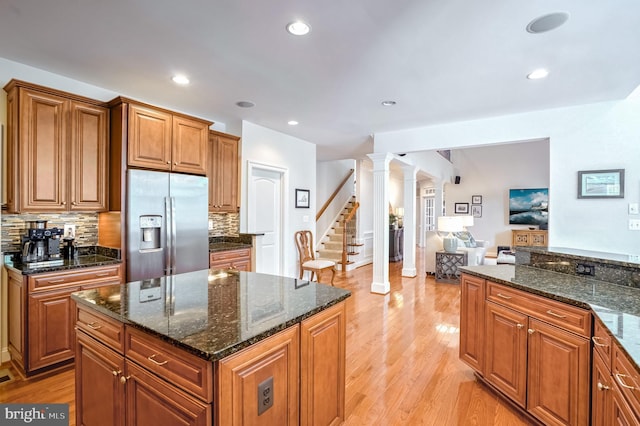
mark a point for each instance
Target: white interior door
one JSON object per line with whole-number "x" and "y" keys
{"x": 265, "y": 217}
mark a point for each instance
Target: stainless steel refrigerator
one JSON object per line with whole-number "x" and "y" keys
{"x": 167, "y": 224}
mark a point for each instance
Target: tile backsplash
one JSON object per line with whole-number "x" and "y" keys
{"x": 224, "y": 224}
{"x": 13, "y": 226}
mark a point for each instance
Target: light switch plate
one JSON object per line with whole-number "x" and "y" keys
{"x": 633, "y": 208}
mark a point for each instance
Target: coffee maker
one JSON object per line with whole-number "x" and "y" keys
{"x": 41, "y": 244}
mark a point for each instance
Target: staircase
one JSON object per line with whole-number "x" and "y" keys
{"x": 332, "y": 246}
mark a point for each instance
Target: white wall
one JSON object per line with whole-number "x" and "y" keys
{"x": 490, "y": 172}
{"x": 587, "y": 137}
{"x": 298, "y": 157}
{"x": 364, "y": 193}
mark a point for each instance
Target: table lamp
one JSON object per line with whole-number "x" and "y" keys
{"x": 450, "y": 224}
{"x": 466, "y": 221}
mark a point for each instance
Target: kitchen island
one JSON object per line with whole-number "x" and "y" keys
{"x": 211, "y": 347}
{"x": 563, "y": 346}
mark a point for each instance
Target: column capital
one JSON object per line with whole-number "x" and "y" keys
{"x": 380, "y": 160}
{"x": 410, "y": 171}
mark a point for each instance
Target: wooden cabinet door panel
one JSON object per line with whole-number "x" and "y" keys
{"x": 151, "y": 401}
{"x": 99, "y": 392}
{"x": 149, "y": 138}
{"x": 227, "y": 161}
{"x": 472, "y": 321}
{"x": 600, "y": 392}
{"x": 322, "y": 367}
{"x": 240, "y": 374}
{"x": 43, "y": 151}
{"x": 558, "y": 375}
{"x": 506, "y": 351}
{"x": 621, "y": 412}
{"x": 51, "y": 333}
{"x": 16, "y": 290}
{"x": 89, "y": 147}
{"x": 189, "y": 151}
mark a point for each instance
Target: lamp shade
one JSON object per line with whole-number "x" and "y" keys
{"x": 400, "y": 211}
{"x": 466, "y": 220}
{"x": 450, "y": 224}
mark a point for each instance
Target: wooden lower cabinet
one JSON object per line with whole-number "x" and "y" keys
{"x": 621, "y": 412}
{"x": 99, "y": 392}
{"x": 42, "y": 314}
{"x": 472, "y": 305}
{"x": 239, "y": 259}
{"x": 322, "y": 367}
{"x": 541, "y": 367}
{"x": 151, "y": 401}
{"x": 506, "y": 351}
{"x": 239, "y": 375}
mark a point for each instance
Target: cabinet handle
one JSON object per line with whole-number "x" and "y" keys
{"x": 168, "y": 162}
{"x": 74, "y": 203}
{"x": 503, "y": 296}
{"x": 619, "y": 377}
{"x": 56, "y": 281}
{"x": 531, "y": 331}
{"x": 123, "y": 379}
{"x": 115, "y": 373}
{"x": 519, "y": 326}
{"x": 175, "y": 163}
{"x": 64, "y": 203}
{"x": 102, "y": 274}
{"x": 602, "y": 387}
{"x": 151, "y": 358}
{"x": 596, "y": 338}
{"x": 553, "y": 314}
{"x": 93, "y": 326}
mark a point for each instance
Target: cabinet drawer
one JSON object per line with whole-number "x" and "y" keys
{"x": 187, "y": 371}
{"x": 227, "y": 255}
{"x": 76, "y": 277}
{"x": 565, "y": 316}
{"x": 602, "y": 341}
{"x": 626, "y": 376}
{"x": 101, "y": 327}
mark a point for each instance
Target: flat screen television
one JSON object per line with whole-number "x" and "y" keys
{"x": 529, "y": 207}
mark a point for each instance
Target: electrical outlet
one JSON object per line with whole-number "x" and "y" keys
{"x": 265, "y": 395}
{"x": 69, "y": 230}
{"x": 634, "y": 224}
{"x": 585, "y": 269}
{"x": 210, "y": 224}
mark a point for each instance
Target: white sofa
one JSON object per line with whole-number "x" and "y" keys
{"x": 475, "y": 255}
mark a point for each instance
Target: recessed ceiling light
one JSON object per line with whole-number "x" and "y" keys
{"x": 298, "y": 28}
{"x": 549, "y": 22}
{"x": 180, "y": 79}
{"x": 388, "y": 103}
{"x": 292, "y": 123}
{"x": 245, "y": 104}
{"x": 538, "y": 74}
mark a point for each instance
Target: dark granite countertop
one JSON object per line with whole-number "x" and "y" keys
{"x": 224, "y": 246}
{"x": 617, "y": 306}
{"x": 85, "y": 261}
{"x": 626, "y": 260}
{"x": 213, "y": 313}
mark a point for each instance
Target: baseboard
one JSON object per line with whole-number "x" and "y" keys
{"x": 4, "y": 355}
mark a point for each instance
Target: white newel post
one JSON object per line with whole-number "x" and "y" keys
{"x": 380, "y": 283}
{"x": 409, "y": 221}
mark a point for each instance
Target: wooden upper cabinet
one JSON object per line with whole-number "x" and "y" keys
{"x": 89, "y": 162}
{"x": 57, "y": 151}
{"x": 149, "y": 138}
{"x": 161, "y": 140}
{"x": 223, "y": 172}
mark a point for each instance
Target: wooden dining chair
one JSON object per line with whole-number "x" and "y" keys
{"x": 308, "y": 261}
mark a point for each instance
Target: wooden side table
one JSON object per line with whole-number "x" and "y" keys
{"x": 447, "y": 266}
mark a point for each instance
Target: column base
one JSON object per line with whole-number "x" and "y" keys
{"x": 409, "y": 272}
{"x": 380, "y": 288}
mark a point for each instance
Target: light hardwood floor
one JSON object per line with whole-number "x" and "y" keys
{"x": 402, "y": 359}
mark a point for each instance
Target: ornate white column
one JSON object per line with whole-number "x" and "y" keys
{"x": 409, "y": 221}
{"x": 380, "y": 283}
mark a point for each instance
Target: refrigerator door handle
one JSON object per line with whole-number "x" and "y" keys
{"x": 174, "y": 248}
{"x": 169, "y": 233}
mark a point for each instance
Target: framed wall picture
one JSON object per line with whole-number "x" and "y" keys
{"x": 302, "y": 198}
{"x": 461, "y": 208}
{"x": 476, "y": 199}
{"x": 601, "y": 183}
{"x": 476, "y": 210}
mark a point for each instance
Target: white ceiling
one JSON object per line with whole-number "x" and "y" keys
{"x": 441, "y": 60}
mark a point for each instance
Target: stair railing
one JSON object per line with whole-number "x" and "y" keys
{"x": 348, "y": 231}
{"x": 326, "y": 204}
